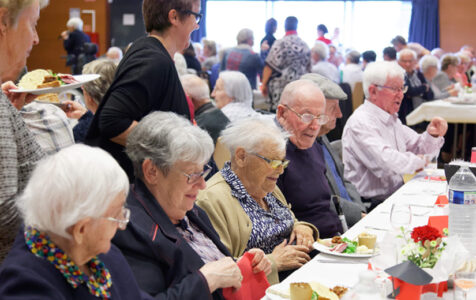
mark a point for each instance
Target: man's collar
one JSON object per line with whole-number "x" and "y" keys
{"x": 380, "y": 113}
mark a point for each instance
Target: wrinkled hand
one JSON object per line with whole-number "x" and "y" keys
{"x": 73, "y": 109}
{"x": 260, "y": 261}
{"x": 437, "y": 127}
{"x": 290, "y": 257}
{"x": 222, "y": 273}
{"x": 17, "y": 99}
{"x": 303, "y": 236}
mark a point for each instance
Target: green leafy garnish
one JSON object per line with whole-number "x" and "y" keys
{"x": 315, "y": 295}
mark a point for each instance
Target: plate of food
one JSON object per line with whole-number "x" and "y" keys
{"x": 304, "y": 291}
{"x": 463, "y": 99}
{"x": 364, "y": 246}
{"x": 40, "y": 82}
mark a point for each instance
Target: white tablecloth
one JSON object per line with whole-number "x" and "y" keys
{"x": 452, "y": 113}
{"x": 346, "y": 271}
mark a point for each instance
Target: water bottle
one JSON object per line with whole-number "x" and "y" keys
{"x": 462, "y": 202}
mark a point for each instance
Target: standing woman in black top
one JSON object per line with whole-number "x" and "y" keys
{"x": 73, "y": 41}
{"x": 146, "y": 79}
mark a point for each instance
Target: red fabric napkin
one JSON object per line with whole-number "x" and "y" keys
{"x": 253, "y": 286}
{"x": 441, "y": 200}
{"x": 439, "y": 222}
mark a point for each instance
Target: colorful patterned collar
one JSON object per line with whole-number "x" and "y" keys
{"x": 98, "y": 283}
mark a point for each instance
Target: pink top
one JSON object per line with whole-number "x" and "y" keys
{"x": 378, "y": 149}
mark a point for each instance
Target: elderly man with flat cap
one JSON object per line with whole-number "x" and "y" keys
{"x": 351, "y": 202}
{"x": 301, "y": 111}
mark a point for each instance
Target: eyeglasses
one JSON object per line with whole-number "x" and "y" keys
{"x": 308, "y": 118}
{"x": 198, "y": 16}
{"x": 125, "y": 216}
{"x": 195, "y": 177}
{"x": 402, "y": 89}
{"x": 274, "y": 163}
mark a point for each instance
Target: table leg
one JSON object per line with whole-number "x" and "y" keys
{"x": 464, "y": 141}
{"x": 455, "y": 141}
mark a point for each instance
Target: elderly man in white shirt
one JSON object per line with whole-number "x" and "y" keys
{"x": 377, "y": 148}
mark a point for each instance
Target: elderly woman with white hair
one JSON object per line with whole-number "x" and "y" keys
{"x": 19, "y": 150}
{"x": 71, "y": 207}
{"x": 320, "y": 65}
{"x": 247, "y": 208}
{"x": 73, "y": 41}
{"x": 233, "y": 95}
{"x": 170, "y": 242}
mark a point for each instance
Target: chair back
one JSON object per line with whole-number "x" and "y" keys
{"x": 357, "y": 95}
{"x": 221, "y": 154}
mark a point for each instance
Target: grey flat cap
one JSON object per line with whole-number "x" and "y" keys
{"x": 329, "y": 88}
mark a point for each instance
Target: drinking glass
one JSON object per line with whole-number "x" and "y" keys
{"x": 464, "y": 282}
{"x": 431, "y": 167}
{"x": 400, "y": 216}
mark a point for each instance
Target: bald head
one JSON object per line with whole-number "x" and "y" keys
{"x": 301, "y": 97}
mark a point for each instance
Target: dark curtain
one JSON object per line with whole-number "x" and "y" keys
{"x": 201, "y": 32}
{"x": 425, "y": 24}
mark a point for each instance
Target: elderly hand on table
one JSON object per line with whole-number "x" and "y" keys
{"x": 303, "y": 235}
{"x": 17, "y": 99}
{"x": 289, "y": 257}
{"x": 437, "y": 127}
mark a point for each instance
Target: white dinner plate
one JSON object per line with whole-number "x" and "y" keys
{"x": 278, "y": 292}
{"x": 324, "y": 249}
{"x": 82, "y": 79}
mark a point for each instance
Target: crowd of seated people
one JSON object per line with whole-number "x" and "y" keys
{"x": 143, "y": 212}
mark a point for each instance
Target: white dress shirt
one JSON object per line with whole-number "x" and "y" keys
{"x": 378, "y": 149}
{"x": 352, "y": 73}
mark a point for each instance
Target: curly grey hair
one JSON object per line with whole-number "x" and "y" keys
{"x": 165, "y": 138}
{"x": 96, "y": 89}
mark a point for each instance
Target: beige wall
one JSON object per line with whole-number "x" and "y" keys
{"x": 53, "y": 18}
{"x": 457, "y": 24}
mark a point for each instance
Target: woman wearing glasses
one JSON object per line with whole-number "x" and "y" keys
{"x": 71, "y": 207}
{"x": 244, "y": 204}
{"x": 170, "y": 242}
{"x": 146, "y": 79}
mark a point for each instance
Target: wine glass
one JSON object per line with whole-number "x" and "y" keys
{"x": 465, "y": 281}
{"x": 431, "y": 167}
{"x": 400, "y": 215}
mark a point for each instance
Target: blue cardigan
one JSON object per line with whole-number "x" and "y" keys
{"x": 164, "y": 264}
{"x": 26, "y": 276}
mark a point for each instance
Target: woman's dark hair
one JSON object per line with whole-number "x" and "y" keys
{"x": 271, "y": 25}
{"x": 189, "y": 50}
{"x": 290, "y": 23}
{"x": 322, "y": 28}
{"x": 156, "y": 12}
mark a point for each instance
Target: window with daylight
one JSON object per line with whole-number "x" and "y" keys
{"x": 362, "y": 25}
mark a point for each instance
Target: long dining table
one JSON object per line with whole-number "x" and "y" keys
{"x": 420, "y": 193}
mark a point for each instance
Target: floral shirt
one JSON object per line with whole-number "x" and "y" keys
{"x": 270, "y": 227}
